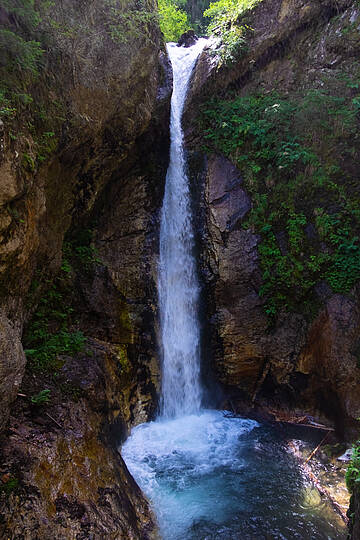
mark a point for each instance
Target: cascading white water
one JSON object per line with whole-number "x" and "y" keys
{"x": 208, "y": 474}
{"x": 178, "y": 284}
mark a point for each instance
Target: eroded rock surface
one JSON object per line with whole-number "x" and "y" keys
{"x": 279, "y": 26}
{"x": 71, "y": 481}
{"x": 100, "y": 96}
{"x": 306, "y": 364}
{"x": 106, "y": 93}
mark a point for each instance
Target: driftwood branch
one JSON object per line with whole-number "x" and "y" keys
{"x": 316, "y": 449}
{"x": 53, "y": 419}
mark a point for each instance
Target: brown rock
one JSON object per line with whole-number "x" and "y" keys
{"x": 106, "y": 173}
{"x": 275, "y": 25}
{"x": 311, "y": 369}
{"x": 293, "y": 47}
{"x": 12, "y": 363}
{"x": 109, "y": 93}
{"x": 187, "y": 39}
{"x": 71, "y": 481}
{"x": 330, "y": 354}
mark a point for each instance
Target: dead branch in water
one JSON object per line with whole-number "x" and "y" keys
{"x": 321, "y": 489}
{"x": 305, "y": 421}
{"x": 317, "y": 448}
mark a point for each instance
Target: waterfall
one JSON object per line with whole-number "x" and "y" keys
{"x": 178, "y": 284}
{"x": 208, "y": 474}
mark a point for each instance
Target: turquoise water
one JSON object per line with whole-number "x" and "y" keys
{"x": 215, "y": 476}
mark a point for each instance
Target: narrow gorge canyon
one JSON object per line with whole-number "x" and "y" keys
{"x": 89, "y": 355}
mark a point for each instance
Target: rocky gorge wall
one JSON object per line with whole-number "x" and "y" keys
{"x": 83, "y": 155}
{"x": 281, "y": 336}
{"x": 82, "y": 166}
{"x": 274, "y": 149}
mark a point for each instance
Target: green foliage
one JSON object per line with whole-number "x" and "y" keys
{"x": 24, "y": 11}
{"x": 173, "y": 20}
{"x": 79, "y": 251}
{"x": 226, "y": 12}
{"x": 6, "y": 108}
{"x": 225, "y": 23}
{"x": 134, "y": 23}
{"x": 275, "y": 141}
{"x": 41, "y": 397}
{"x": 49, "y": 335}
{"x": 18, "y": 53}
{"x": 21, "y": 54}
{"x": 337, "y": 229}
{"x": 9, "y": 486}
{"x": 353, "y": 471}
{"x": 28, "y": 162}
{"x": 123, "y": 359}
{"x": 195, "y": 11}
{"x": 47, "y": 144}
{"x": 48, "y": 347}
{"x": 295, "y": 228}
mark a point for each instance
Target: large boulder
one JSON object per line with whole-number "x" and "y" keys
{"x": 187, "y": 39}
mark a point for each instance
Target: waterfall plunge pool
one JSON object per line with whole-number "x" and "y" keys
{"x": 212, "y": 476}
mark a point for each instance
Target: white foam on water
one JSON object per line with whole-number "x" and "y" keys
{"x": 177, "y": 464}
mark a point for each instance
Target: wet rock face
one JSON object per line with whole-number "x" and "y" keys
{"x": 71, "y": 481}
{"x": 187, "y": 39}
{"x": 12, "y": 364}
{"x": 330, "y": 356}
{"x": 354, "y": 514}
{"x": 108, "y": 92}
{"x": 106, "y": 173}
{"x": 297, "y": 363}
{"x": 239, "y": 320}
{"x": 117, "y": 302}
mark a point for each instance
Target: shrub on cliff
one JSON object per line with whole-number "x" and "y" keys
{"x": 226, "y": 23}
{"x": 17, "y": 53}
{"x": 18, "y": 50}
{"x": 306, "y": 205}
{"x": 128, "y": 22}
{"x": 173, "y": 20}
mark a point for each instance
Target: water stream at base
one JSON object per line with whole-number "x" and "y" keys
{"x": 209, "y": 474}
